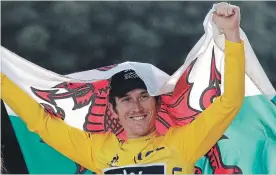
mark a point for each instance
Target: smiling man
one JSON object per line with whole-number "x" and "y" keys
{"x": 145, "y": 151}
{"x": 131, "y": 103}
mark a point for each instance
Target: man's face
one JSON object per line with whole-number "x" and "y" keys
{"x": 136, "y": 112}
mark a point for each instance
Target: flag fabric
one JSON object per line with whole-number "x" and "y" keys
{"x": 247, "y": 146}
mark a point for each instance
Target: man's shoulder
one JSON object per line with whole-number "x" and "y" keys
{"x": 107, "y": 136}
{"x": 175, "y": 131}
{"x": 174, "y": 128}
{"x": 103, "y": 140}
{"x": 105, "y": 147}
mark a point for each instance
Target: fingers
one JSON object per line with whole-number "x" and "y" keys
{"x": 230, "y": 11}
{"x": 225, "y": 9}
{"x": 236, "y": 10}
{"x": 219, "y": 8}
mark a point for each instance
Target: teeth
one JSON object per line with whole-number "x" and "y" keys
{"x": 138, "y": 118}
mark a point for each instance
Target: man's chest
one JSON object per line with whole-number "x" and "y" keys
{"x": 139, "y": 159}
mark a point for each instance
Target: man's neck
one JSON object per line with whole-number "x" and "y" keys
{"x": 141, "y": 136}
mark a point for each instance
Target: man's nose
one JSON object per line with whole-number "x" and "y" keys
{"x": 137, "y": 106}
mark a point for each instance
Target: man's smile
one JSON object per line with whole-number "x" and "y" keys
{"x": 138, "y": 117}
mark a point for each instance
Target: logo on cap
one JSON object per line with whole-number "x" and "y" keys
{"x": 130, "y": 74}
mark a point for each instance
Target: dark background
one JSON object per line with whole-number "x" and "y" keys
{"x": 67, "y": 37}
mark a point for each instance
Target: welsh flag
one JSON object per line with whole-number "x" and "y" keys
{"x": 80, "y": 99}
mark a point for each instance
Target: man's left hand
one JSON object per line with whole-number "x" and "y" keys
{"x": 227, "y": 19}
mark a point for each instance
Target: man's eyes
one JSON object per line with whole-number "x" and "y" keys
{"x": 142, "y": 97}
{"x": 145, "y": 95}
{"x": 126, "y": 99}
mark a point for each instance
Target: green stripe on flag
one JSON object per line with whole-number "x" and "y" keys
{"x": 274, "y": 100}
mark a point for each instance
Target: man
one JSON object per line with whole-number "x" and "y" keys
{"x": 144, "y": 151}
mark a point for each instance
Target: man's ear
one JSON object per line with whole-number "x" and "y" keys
{"x": 113, "y": 111}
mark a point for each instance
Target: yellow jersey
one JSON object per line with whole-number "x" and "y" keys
{"x": 173, "y": 153}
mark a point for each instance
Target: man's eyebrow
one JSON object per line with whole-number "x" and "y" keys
{"x": 123, "y": 96}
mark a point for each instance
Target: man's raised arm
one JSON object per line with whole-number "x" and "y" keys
{"x": 198, "y": 137}
{"x": 75, "y": 144}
